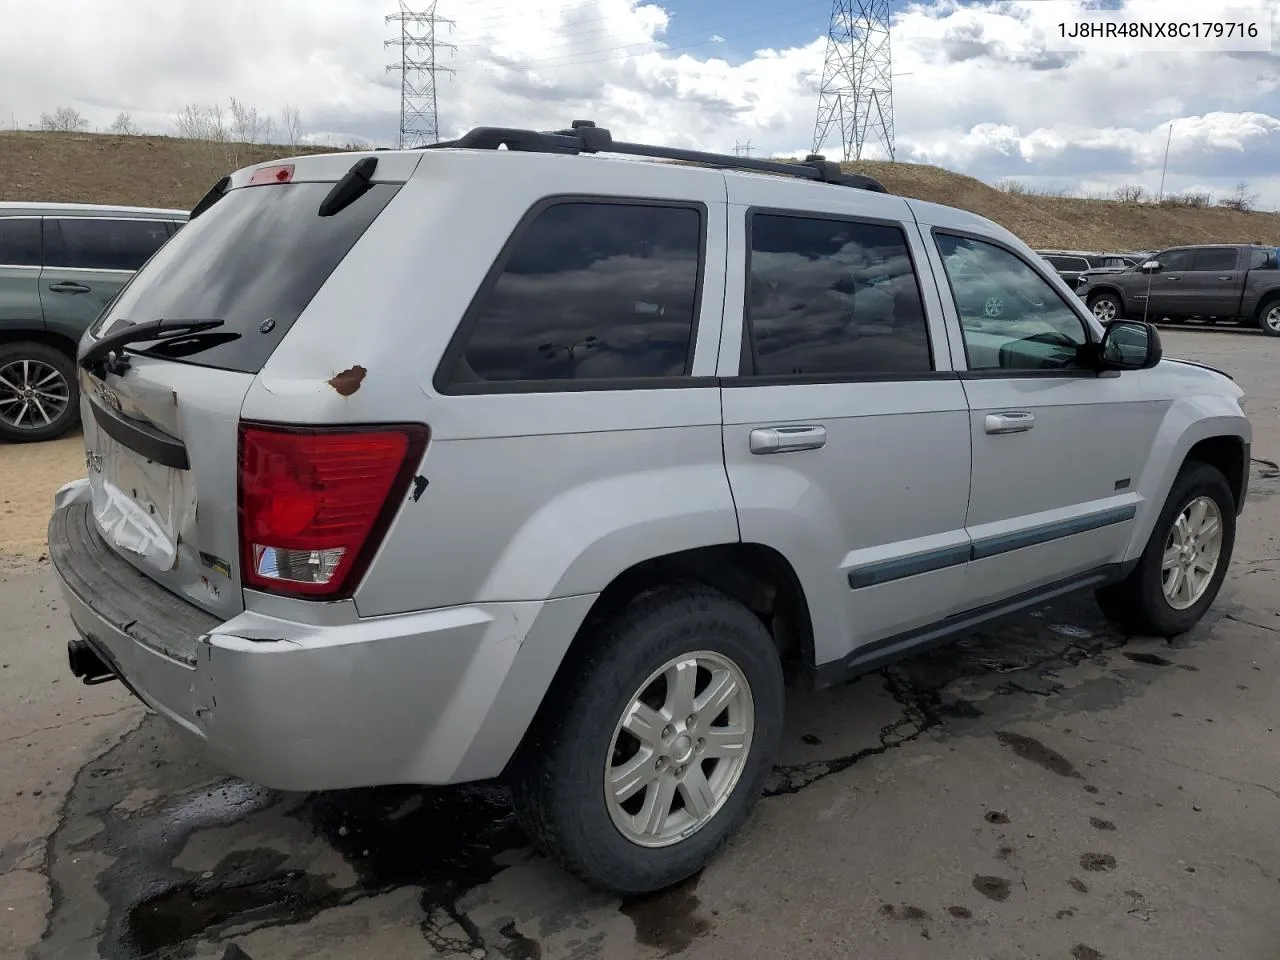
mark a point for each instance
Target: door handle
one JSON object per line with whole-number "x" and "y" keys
{"x": 1227, "y": 277}
{"x": 1013, "y": 422}
{"x": 1173, "y": 278}
{"x": 764, "y": 440}
{"x": 69, "y": 286}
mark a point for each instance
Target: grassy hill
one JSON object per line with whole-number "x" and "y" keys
{"x": 169, "y": 172}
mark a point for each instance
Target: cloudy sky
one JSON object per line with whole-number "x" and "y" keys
{"x": 975, "y": 88}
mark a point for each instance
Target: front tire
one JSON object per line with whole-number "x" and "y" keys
{"x": 1106, "y": 307}
{"x": 1182, "y": 568}
{"x": 654, "y": 743}
{"x": 39, "y": 392}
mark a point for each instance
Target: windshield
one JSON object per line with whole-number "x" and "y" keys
{"x": 253, "y": 260}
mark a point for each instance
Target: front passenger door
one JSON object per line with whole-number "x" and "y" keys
{"x": 1057, "y": 448}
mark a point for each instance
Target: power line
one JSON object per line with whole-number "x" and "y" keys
{"x": 856, "y": 95}
{"x": 419, "y": 111}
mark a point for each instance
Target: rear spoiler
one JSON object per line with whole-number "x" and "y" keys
{"x": 354, "y": 183}
{"x": 216, "y": 193}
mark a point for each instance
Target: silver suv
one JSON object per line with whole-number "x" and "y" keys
{"x": 465, "y": 463}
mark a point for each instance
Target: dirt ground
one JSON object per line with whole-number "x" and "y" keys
{"x": 29, "y": 475}
{"x": 1047, "y": 788}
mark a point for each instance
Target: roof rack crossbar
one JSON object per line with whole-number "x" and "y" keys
{"x": 586, "y": 137}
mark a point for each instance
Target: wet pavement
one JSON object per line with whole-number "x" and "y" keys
{"x": 1046, "y": 788}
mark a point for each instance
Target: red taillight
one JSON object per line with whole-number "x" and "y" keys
{"x": 281, "y": 173}
{"x": 314, "y": 503}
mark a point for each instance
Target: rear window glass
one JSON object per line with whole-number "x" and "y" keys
{"x": 258, "y": 254}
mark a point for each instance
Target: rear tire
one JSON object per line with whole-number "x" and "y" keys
{"x": 633, "y": 667}
{"x": 39, "y": 392}
{"x": 1158, "y": 598}
{"x": 1106, "y": 307}
{"x": 1269, "y": 318}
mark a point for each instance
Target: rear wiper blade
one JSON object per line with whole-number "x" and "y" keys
{"x": 97, "y": 354}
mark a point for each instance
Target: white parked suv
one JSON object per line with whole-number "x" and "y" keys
{"x": 465, "y": 463}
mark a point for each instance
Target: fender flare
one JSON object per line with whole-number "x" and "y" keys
{"x": 1188, "y": 422}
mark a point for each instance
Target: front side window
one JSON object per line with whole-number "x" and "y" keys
{"x": 100, "y": 244}
{"x": 833, "y": 297}
{"x": 1012, "y": 319}
{"x": 1214, "y": 258}
{"x": 19, "y": 242}
{"x": 592, "y": 290}
{"x": 1174, "y": 261}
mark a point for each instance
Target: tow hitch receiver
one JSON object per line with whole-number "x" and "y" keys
{"x": 86, "y": 664}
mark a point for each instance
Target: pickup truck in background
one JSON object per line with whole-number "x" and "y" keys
{"x": 1234, "y": 282}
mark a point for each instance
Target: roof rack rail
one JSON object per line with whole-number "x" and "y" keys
{"x": 585, "y": 137}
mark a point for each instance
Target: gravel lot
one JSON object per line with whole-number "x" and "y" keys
{"x": 1050, "y": 788}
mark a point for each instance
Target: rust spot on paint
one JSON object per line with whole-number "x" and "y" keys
{"x": 348, "y": 381}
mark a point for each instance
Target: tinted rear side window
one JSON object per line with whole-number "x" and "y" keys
{"x": 19, "y": 242}
{"x": 1215, "y": 258}
{"x": 832, "y": 297}
{"x": 89, "y": 243}
{"x": 258, "y": 254}
{"x": 590, "y": 290}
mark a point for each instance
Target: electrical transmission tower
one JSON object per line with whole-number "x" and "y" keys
{"x": 856, "y": 98}
{"x": 742, "y": 149}
{"x": 419, "y": 114}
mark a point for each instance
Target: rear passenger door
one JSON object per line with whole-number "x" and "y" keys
{"x": 86, "y": 262}
{"x": 845, "y": 432}
{"x": 1215, "y": 281}
{"x": 1058, "y": 449}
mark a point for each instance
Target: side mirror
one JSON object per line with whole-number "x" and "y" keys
{"x": 1151, "y": 266}
{"x": 1130, "y": 345}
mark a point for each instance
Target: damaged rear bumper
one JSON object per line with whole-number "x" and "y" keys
{"x": 434, "y": 697}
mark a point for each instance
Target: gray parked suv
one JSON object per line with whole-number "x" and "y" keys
{"x": 464, "y": 463}
{"x": 59, "y": 265}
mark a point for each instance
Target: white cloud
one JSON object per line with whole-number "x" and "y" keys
{"x": 977, "y": 91}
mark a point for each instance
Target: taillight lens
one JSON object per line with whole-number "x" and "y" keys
{"x": 314, "y": 503}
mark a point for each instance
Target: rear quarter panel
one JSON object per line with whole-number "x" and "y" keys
{"x": 1260, "y": 286}
{"x": 523, "y": 495}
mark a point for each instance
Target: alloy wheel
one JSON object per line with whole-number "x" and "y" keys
{"x": 33, "y": 394}
{"x": 679, "y": 749}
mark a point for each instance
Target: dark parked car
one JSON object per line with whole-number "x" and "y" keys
{"x": 60, "y": 263}
{"x": 1235, "y": 282}
{"x": 1074, "y": 264}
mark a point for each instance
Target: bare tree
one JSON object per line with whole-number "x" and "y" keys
{"x": 65, "y": 119}
{"x": 206, "y": 126}
{"x": 1130, "y": 194}
{"x": 1242, "y": 199}
{"x": 247, "y": 124}
{"x": 196, "y": 122}
{"x": 291, "y": 124}
{"x": 1191, "y": 199}
{"x": 124, "y": 125}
